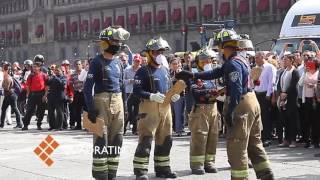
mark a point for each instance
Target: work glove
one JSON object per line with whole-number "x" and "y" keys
{"x": 158, "y": 97}
{"x": 92, "y": 115}
{"x": 175, "y": 97}
{"x": 184, "y": 75}
{"x": 229, "y": 119}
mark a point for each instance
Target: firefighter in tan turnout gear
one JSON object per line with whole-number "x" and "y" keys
{"x": 242, "y": 112}
{"x": 204, "y": 119}
{"x": 153, "y": 81}
{"x": 105, "y": 74}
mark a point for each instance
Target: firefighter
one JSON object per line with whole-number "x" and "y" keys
{"x": 152, "y": 82}
{"x": 204, "y": 119}
{"x": 241, "y": 112}
{"x": 105, "y": 73}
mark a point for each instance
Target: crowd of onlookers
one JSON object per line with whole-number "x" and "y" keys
{"x": 288, "y": 90}
{"x": 287, "y": 87}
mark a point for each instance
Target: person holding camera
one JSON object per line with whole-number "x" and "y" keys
{"x": 308, "y": 82}
{"x": 55, "y": 97}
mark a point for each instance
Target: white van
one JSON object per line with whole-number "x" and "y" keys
{"x": 302, "y": 22}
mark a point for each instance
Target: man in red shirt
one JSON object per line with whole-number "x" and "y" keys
{"x": 36, "y": 84}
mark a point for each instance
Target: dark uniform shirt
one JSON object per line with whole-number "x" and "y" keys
{"x": 105, "y": 75}
{"x": 56, "y": 88}
{"x": 151, "y": 80}
{"x": 235, "y": 73}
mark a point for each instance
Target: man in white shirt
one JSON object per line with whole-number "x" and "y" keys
{"x": 264, "y": 88}
{"x": 132, "y": 101}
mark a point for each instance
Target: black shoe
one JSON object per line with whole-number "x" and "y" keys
{"x": 266, "y": 143}
{"x": 39, "y": 128}
{"x": 268, "y": 177}
{"x": 210, "y": 169}
{"x": 142, "y": 177}
{"x": 50, "y": 129}
{"x": 170, "y": 175}
{"x": 64, "y": 127}
{"x": 307, "y": 145}
{"x": 1, "y": 125}
{"x": 72, "y": 127}
{"x": 77, "y": 128}
{"x": 18, "y": 126}
{"x": 111, "y": 177}
{"x": 25, "y": 128}
{"x": 197, "y": 171}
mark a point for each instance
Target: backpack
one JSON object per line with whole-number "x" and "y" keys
{"x": 16, "y": 86}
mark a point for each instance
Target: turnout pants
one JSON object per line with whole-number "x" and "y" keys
{"x": 155, "y": 121}
{"x": 106, "y": 149}
{"x": 244, "y": 140}
{"x": 204, "y": 135}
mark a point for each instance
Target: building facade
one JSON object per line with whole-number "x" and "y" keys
{"x": 66, "y": 29}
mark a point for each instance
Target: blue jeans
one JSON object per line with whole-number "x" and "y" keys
{"x": 179, "y": 114}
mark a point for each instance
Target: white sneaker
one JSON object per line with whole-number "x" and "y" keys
{"x": 293, "y": 145}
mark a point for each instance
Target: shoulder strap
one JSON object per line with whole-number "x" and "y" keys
{"x": 151, "y": 79}
{"x": 241, "y": 59}
{"x": 102, "y": 67}
{"x": 121, "y": 71}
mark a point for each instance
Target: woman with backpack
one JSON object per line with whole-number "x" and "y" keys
{"x": 10, "y": 95}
